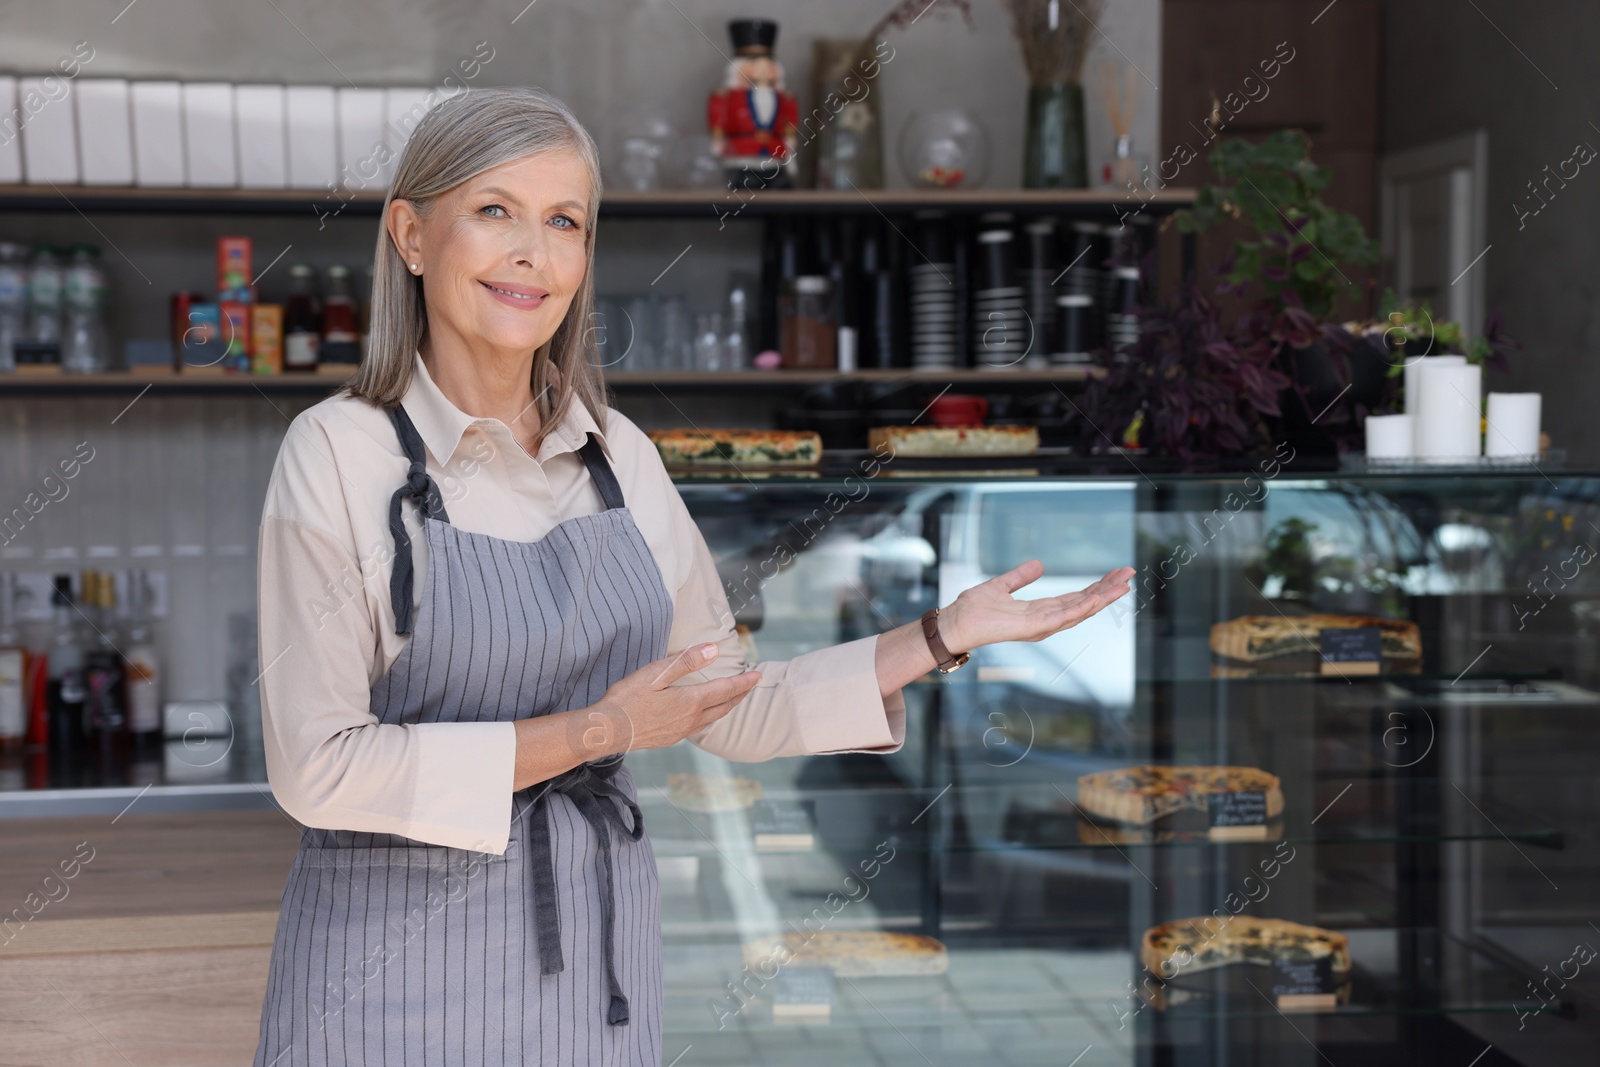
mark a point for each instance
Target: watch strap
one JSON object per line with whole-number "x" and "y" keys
{"x": 943, "y": 660}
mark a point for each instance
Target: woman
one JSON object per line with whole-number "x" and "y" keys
{"x": 478, "y": 589}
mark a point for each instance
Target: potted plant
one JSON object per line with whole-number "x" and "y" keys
{"x": 1190, "y": 386}
{"x": 1409, "y": 331}
{"x": 1296, "y": 258}
{"x": 1279, "y": 374}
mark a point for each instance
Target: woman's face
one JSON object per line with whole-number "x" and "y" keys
{"x": 501, "y": 255}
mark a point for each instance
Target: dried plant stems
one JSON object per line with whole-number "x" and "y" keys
{"x": 1055, "y": 36}
{"x": 1122, "y": 102}
{"x": 904, "y": 15}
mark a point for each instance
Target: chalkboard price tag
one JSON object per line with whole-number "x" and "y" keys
{"x": 1237, "y": 816}
{"x": 1357, "y": 650}
{"x": 1304, "y": 985}
{"x": 784, "y": 827}
{"x": 803, "y": 994}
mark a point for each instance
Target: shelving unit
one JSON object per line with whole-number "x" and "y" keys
{"x": 325, "y": 380}
{"x": 661, "y": 204}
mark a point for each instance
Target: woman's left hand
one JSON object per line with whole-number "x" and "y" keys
{"x": 987, "y": 614}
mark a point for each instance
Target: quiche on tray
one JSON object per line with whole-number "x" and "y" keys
{"x": 737, "y": 448}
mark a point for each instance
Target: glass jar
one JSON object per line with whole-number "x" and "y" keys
{"x": 806, "y": 328}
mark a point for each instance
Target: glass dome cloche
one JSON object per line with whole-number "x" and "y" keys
{"x": 944, "y": 149}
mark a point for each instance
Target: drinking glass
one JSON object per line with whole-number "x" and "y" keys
{"x": 641, "y": 351}
{"x": 708, "y": 349}
{"x": 674, "y": 333}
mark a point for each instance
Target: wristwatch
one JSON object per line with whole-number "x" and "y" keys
{"x": 944, "y": 661}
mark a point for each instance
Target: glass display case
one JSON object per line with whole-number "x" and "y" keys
{"x": 1383, "y": 691}
{"x": 1401, "y": 871}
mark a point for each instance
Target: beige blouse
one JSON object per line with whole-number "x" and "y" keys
{"x": 327, "y": 627}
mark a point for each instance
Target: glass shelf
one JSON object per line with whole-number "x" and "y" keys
{"x": 1013, "y": 984}
{"x": 1040, "y": 818}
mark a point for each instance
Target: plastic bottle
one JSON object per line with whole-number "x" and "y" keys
{"x": 84, "y": 348}
{"x": 13, "y": 302}
{"x": 44, "y": 296}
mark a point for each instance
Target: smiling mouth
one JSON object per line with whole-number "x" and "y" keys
{"x": 531, "y": 297}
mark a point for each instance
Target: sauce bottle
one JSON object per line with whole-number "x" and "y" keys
{"x": 302, "y": 320}
{"x": 341, "y": 332}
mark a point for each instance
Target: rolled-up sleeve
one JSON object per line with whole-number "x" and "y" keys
{"x": 330, "y": 762}
{"x": 824, "y": 701}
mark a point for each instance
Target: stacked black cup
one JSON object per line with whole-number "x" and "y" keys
{"x": 1001, "y": 332}
{"x": 933, "y": 296}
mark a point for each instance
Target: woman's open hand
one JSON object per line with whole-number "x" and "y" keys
{"x": 646, "y": 710}
{"x": 988, "y": 613}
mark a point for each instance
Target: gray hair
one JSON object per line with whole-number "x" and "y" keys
{"x": 455, "y": 141}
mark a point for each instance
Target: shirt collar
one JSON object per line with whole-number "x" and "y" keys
{"x": 441, "y": 424}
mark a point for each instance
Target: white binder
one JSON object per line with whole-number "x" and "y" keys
{"x": 105, "y": 131}
{"x": 50, "y": 132}
{"x": 312, "y": 136}
{"x": 260, "y": 132}
{"x": 362, "y": 143}
{"x": 157, "y": 133}
{"x": 208, "y": 135}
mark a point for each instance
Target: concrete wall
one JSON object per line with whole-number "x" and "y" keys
{"x": 1531, "y": 80}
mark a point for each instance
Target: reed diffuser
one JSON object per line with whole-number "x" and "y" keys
{"x": 1055, "y": 36}
{"x": 1122, "y": 103}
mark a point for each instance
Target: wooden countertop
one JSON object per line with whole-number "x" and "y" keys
{"x": 192, "y": 880}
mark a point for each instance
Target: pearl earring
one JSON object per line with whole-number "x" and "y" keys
{"x": 413, "y": 266}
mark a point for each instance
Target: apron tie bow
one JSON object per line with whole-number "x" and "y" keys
{"x": 590, "y": 788}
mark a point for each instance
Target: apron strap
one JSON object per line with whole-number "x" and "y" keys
{"x": 605, "y": 479}
{"x": 420, "y": 488}
{"x": 592, "y": 792}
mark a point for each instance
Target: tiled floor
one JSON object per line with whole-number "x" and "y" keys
{"x": 1002, "y": 1007}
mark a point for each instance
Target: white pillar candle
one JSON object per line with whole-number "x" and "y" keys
{"x": 1389, "y": 437}
{"x": 1413, "y": 371}
{"x": 1513, "y": 425}
{"x": 1448, "y": 414}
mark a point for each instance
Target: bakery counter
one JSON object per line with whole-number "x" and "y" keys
{"x": 1344, "y": 715}
{"x": 139, "y": 937}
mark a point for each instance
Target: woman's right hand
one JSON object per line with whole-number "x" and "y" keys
{"x": 645, "y": 710}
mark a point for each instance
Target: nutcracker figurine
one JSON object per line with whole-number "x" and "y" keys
{"x": 751, "y": 118}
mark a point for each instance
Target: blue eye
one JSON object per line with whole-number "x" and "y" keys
{"x": 570, "y": 224}
{"x": 495, "y": 207}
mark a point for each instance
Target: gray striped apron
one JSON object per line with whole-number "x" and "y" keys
{"x": 393, "y": 951}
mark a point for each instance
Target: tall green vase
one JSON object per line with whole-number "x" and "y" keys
{"x": 1055, "y": 156}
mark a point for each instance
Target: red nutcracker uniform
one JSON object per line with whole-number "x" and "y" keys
{"x": 753, "y": 121}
